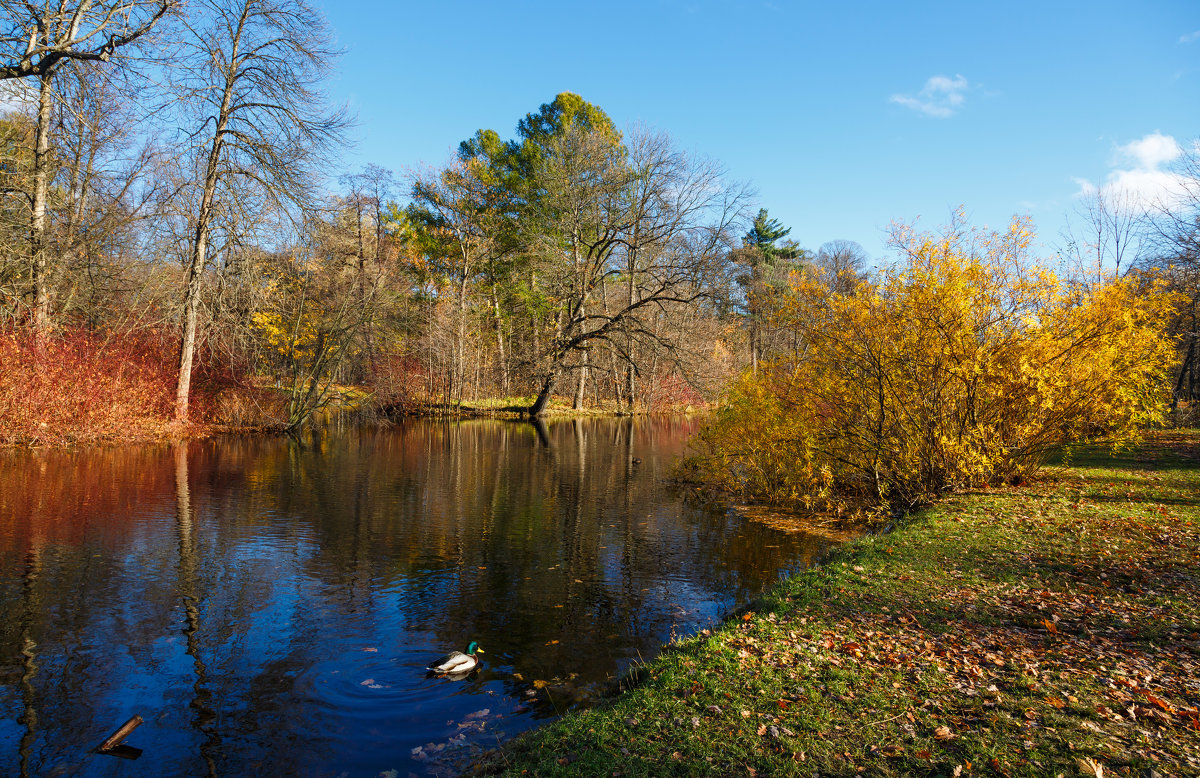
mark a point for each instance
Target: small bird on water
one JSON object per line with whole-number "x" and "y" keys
{"x": 457, "y": 662}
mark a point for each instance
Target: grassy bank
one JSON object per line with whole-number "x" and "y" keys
{"x": 1044, "y": 630}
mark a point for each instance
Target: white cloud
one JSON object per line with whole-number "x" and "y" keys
{"x": 941, "y": 97}
{"x": 1086, "y": 188}
{"x": 1138, "y": 175}
{"x": 1191, "y": 37}
{"x": 1150, "y": 151}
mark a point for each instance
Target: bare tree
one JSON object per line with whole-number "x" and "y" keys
{"x": 456, "y": 221}
{"x": 37, "y": 37}
{"x": 1174, "y": 234}
{"x": 16, "y": 161}
{"x": 355, "y": 233}
{"x": 1175, "y": 216}
{"x": 36, "y": 40}
{"x": 262, "y": 130}
{"x": 105, "y": 189}
{"x": 313, "y": 318}
{"x": 368, "y": 194}
{"x": 841, "y": 265}
{"x": 648, "y": 212}
{"x": 1107, "y": 233}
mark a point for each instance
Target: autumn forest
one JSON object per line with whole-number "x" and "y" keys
{"x": 179, "y": 255}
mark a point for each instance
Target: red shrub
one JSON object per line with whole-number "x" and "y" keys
{"x": 398, "y": 381}
{"x": 79, "y": 386}
{"x": 668, "y": 390}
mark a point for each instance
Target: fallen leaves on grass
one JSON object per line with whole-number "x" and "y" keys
{"x": 1034, "y": 631}
{"x": 1080, "y": 604}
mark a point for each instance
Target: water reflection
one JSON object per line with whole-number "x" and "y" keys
{"x": 270, "y": 606}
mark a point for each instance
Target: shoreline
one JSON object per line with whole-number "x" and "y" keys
{"x": 168, "y": 432}
{"x": 1046, "y": 629}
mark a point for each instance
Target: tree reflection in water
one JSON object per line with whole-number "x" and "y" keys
{"x": 269, "y": 605}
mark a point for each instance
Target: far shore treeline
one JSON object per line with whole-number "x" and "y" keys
{"x": 172, "y": 262}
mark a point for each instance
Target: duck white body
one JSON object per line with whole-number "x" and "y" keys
{"x": 457, "y": 662}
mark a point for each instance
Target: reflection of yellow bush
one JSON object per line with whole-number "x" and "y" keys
{"x": 965, "y": 366}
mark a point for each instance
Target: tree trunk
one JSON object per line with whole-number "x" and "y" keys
{"x": 191, "y": 299}
{"x": 615, "y": 376}
{"x": 460, "y": 340}
{"x": 583, "y": 370}
{"x": 430, "y": 363}
{"x": 199, "y": 253}
{"x": 197, "y": 262}
{"x": 38, "y": 217}
{"x": 753, "y": 345}
{"x": 358, "y": 370}
{"x": 1183, "y": 371}
{"x": 539, "y": 405}
{"x": 630, "y": 382}
{"x": 500, "y": 341}
{"x": 583, "y": 377}
{"x": 187, "y": 345}
{"x": 534, "y": 319}
{"x": 631, "y": 373}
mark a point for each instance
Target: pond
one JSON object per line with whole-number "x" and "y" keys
{"x": 269, "y": 606}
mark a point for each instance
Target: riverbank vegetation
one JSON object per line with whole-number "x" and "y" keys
{"x": 963, "y": 365}
{"x": 176, "y": 225}
{"x": 1048, "y": 629}
{"x": 168, "y": 170}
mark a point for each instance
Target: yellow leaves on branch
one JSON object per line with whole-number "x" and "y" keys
{"x": 965, "y": 364}
{"x": 297, "y": 338}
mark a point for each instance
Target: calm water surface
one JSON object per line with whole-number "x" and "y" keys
{"x": 269, "y": 607}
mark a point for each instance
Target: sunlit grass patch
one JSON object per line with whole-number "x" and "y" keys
{"x": 1033, "y": 631}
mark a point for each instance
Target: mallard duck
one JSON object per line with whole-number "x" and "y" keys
{"x": 457, "y": 662}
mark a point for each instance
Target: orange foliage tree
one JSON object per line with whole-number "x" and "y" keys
{"x": 967, "y": 363}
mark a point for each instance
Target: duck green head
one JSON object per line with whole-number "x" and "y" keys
{"x": 473, "y": 648}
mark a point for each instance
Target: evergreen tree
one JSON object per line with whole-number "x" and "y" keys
{"x": 763, "y": 256}
{"x": 763, "y": 235}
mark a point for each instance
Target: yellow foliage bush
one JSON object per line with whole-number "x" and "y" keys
{"x": 965, "y": 365}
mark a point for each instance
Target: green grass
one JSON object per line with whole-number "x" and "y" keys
{"x": 1045, "y": 630}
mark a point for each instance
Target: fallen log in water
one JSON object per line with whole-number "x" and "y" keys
{"x": 115, "y": 738}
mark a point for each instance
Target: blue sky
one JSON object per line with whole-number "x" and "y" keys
{"x": 843, "y": 116}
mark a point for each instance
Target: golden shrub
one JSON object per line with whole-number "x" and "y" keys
{"x": 964, "y": 365}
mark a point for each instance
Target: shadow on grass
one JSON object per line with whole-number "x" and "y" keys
{"x": 1091, "y": 595}
{"x": 1169, "y": 451}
